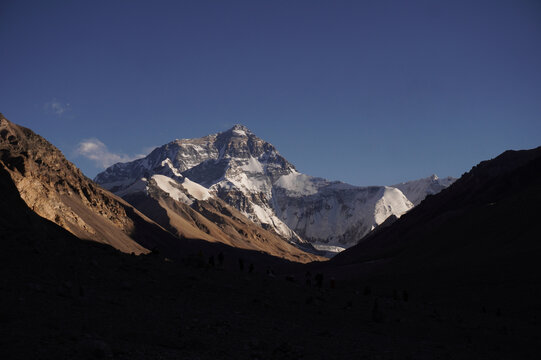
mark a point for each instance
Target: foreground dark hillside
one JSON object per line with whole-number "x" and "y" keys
{"x": 495, "y": 203}
{"x": 63, "y": 298}
{"x": 475, "y": 245}
{"x": 485, "y": 225}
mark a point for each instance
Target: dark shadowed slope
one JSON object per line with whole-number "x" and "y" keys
{"x": 497, "y": 201}
{"x": 479, "y": 239}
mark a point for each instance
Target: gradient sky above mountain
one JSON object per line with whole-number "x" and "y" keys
{"x": 367, "y": 92}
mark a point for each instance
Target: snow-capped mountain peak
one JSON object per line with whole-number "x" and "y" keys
{"x": 249, "y": 174}
{"x": 240, "y": 130}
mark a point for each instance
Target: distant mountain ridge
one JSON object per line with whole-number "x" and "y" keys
{"x": 417, "y": 190}
{"x": 250, "y": 175}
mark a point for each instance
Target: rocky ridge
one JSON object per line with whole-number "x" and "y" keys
{"x": 57, "y": 190}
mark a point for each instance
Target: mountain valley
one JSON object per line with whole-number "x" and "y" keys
{"x": 199, "y": 255}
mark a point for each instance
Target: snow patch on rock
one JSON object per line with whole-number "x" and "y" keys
{"x": 238, "y": 132}
{"x": 167, "y": 162}
{"x": 194, "y": 189}
{"x": 170, "y": 186}
{"x": 299, "y": 184}
{"x": 253, "y": 166}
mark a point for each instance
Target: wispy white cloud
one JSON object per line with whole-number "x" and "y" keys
{"x": 57, "y": 107}
{"x": 97, "y": 151}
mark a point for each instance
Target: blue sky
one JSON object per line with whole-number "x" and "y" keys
{"x": 367, "y": 92}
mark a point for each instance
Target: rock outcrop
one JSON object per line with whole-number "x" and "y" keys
{"x": 57, "y": 190}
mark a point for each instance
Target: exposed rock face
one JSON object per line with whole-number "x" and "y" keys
{"x": 16, "y": 219}
{"x": 249, "y": 174}
{"x": 57, "y": 190}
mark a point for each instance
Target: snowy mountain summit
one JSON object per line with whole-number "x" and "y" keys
{"x": 249, "y": 174}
